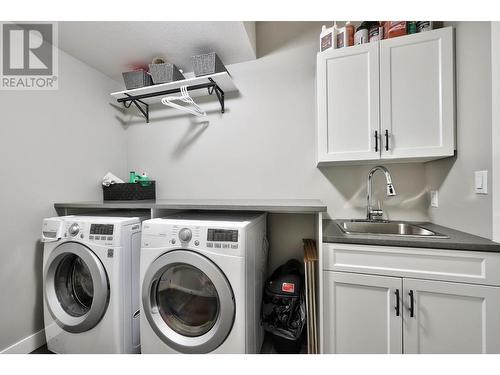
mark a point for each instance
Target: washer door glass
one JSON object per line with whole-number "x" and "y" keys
{"x": 187, "y": 300}
{"x": 74, "y": 286}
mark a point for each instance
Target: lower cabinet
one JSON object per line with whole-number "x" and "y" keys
{"x": 450, "y": 318}
{"x": 380, "y": 314}
{"x": 362, "y": 313}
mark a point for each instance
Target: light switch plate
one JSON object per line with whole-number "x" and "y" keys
{"x": 481, "y": 182}
{"x": 434, "y": 198}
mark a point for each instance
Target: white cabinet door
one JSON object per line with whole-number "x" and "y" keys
{"x": 417, "y": 108}
{"x": 360, "y": 313}
{"x": 451, "y": 317}
{"x": 348, "y": 104}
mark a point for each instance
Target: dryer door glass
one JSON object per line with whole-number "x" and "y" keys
{"x": 74, "y": 286}
{"x": 187, "y": 300}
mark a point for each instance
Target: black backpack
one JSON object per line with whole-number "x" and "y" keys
{"x": 283, "y": 306}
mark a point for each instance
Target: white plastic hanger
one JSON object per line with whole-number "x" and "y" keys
{"x": 193, "y": 108}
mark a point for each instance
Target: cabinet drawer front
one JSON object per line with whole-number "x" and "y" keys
{"x": 448, "y": 265}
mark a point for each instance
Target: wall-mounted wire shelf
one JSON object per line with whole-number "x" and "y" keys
{"x": 218, "y": 83}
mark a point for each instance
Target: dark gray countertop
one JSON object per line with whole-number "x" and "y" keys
{"x": 267, "y": 205}
{"x": 457, "y": 240}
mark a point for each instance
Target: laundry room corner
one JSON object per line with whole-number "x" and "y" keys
{"x": 54, "y": 146}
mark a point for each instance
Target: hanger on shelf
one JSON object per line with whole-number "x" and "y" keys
{"x": 193, "y": 108}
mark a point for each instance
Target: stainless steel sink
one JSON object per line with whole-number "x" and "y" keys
{"x": 387, "y": 228}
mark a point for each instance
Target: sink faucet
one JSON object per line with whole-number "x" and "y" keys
{"x": 375, "y": 214}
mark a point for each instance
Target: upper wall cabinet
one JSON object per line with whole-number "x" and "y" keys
{"x": 389, "y": 100}
{"x": 348, "y": 103}
{"x": 417, "y": 95}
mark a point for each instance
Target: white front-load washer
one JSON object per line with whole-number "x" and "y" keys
{"x": 91, "y": 284}
{"x": 202, "y": 276}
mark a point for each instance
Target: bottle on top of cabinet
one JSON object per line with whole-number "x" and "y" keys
{"x": 424, "y": 26}
{"x": 345, "y": 35}
{"x": 411, "y": 27}
{"x": 361, "y": 35}
{"x": 327, "y": 38}
{"x": 375, "y": 31}
{"x": 394, "y": 29}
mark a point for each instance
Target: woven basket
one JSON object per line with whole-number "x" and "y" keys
{"x": 136, "y": 79}
{"x": 164, "y": 73}
{"x": 208, "y": 63}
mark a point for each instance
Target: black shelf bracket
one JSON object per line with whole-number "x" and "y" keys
{"x": 137, "y": 103}
{"x": 218, "y": 92}
{"x": 211, "y": 87}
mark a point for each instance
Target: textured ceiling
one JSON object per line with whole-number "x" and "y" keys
{"x": 112, "y": 47}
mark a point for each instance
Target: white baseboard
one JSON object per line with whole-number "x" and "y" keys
{"x": 26, "y": 345}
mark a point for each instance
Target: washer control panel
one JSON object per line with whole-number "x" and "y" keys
{"x": 101, "y": 229}
{"x": 73, "y": 229}
{"x": 103, "y": 234}
{"x": 185, "y": 235}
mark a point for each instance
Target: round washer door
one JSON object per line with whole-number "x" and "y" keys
{"x": 188, "y": 302}
{"x": 76, "y": 287}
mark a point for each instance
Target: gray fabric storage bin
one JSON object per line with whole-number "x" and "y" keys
{"x": 136, "y": 79}
{"x": 208, "y": 63}
{"x": 164, "y": 73}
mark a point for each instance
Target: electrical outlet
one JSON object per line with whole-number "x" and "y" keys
{"x": 434, "y": 198}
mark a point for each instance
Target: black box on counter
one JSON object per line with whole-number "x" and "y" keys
{"x": 129, "y": 192}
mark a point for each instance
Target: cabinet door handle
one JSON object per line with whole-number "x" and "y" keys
{"x": 386, "y": 140}
{"x": 397, "y": 302}
{"x": 376, "y": 141}
{"x": 412, "y": 304}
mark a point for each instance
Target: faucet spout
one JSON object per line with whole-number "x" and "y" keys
{"x": 374, "y": 214}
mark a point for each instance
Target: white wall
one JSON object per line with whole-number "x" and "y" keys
{"x": 495, "y": 100}
{"x": 56, "y": 146}
{"x": 459, "y": 207}
{"x": 264, "y": 145}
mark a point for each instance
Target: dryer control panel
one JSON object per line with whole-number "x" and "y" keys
{"x": 223, "y": 235}
{"x": 222, "y": 238}
{"x": 159, "y": 233}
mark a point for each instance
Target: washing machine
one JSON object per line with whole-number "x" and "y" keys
{"x": 91, "y": 284}
{"x": 202, "y": 276}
